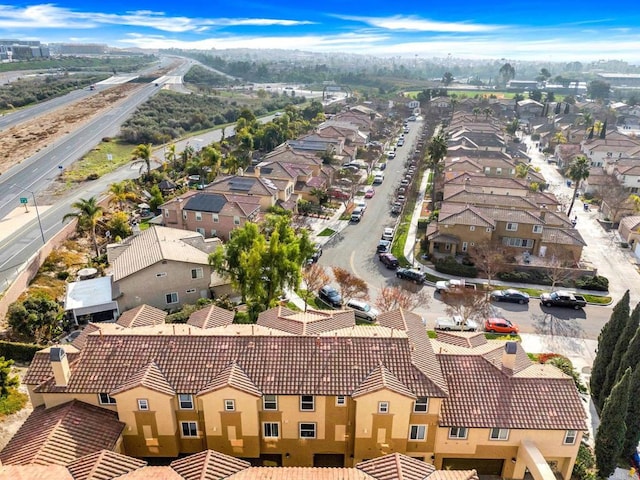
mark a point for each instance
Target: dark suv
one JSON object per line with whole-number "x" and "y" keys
{"x": 413, "y": 275}
{"x": 330, "y": 296}
{"x": 389, "y": 261}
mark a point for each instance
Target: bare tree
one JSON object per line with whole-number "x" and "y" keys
{"x": 393, "y": 298}
{"x": 350, "y": 285}
{"x": 315, "y": 278}
{"x": 559, "y": 265}
{"x": 612, "y": 193}
{"x": 491, "y": 257}
{"x": 468, "y": 304}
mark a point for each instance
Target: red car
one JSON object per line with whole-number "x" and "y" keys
{"x": 500, "y": 325}
{"x": 370, "y": 193}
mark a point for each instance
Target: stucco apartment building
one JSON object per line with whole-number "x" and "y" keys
{"x": 314, "y": 389}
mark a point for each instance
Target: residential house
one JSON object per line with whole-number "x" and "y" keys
{"x": 597, "y": 181}
{"x": 483, "y": 141}
{"x": 566, "y": 153}
{"x": 333, "y": 393}
{"x": 629, "y": 230}
{"x": 212, "y": 215}
{"x": 164, "y": 268}
{"x": 629, "y": 175}
{"x": 609, "y": 149}
{"x": 249, "y": 189}
{"x": 529, "y": 108}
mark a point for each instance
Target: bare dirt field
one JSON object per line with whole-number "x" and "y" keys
{"x": 26, "y": 139}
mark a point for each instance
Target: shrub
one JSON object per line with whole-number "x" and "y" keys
{"x": 449, "y": 266}
{"x": 423, "y": 222}
{"x": 597, "y": 283}
{"x": 62, "y": 275}
{"x": 20, "y": 352}
{"x": 584, "y": 468}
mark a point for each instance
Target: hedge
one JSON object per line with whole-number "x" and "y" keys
{"x": 449, "y": 266}
{"x": 539, "y": 277}
{"x": 20, "y": 352}
{"x": 598, "y": 283}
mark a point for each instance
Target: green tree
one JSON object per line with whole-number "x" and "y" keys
{"x": 476, "y": 111}
{"x": 121, "y": 192}
{"x": 119, "y": 226}
{"x": 141, "y": 155}
{"x": 507, "y": 72}
{"x": 447, "y": 79}
{"x": 598, "y": 90}
{"x": 88, "y": 213}
{"x": 632, "y": 436}
{"x": 36, "y": 319}
{"x": 436, "y": 153}
{"x": 156, "y": 198}
{"x": 612, "y": 430}
{"x": 578, "y": 171}
{"x": 7, "y": 381}
{"x": 631, "y": 357}
{"x": 606, "y": 345}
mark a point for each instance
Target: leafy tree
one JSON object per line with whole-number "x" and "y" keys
{"x": 156, "y": 198}
{"x": 536, "y": 95}
{"x": 315, "y": 278}
{"x": 507, "y": 72}
{"x": 436, "y": 153}
{"x": 393, "y": 298}
{"x": 512, "y": 126}
{"x": 606, "y": 345}
{"x": 522, "y": 170}
{"x": 36, "y": 319}
{"x": 598, "y": 89}
{"x": 118, "y": 225}
{"x": 447, "y": 79}
{"x": 121, "y": 192}
{"x": 632, "y": 436}
{"x": 578, "y": 171}
{"x": 487, "y": 112}
{"x": 612, "y": 430}
{"x": 476, "y": 111}
{"x": 88, "y": 213}
{"x": 631, "y": 357}
{"x": 141, "y": 155}
{"x": 559, "y": 138}
{"x": 350, "y": 285}
{"x": 7, "y": 381}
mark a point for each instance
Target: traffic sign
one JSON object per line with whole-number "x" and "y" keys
{"x": 24, "y": 200}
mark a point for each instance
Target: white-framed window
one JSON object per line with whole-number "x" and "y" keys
{"x": 189, "y": 429}
{"x": 106, "y": 399}
{"x": 537, "y": 229}
{"x": 499, "y": 434}
{"x": 570, "y": 437}
{"x": 171, "y": 297}
{"x": 307, "y": 403}
{"x": 307, "y": 430}
{"x": 465, "y": 246}
{"x": 512, "y": 227}
{"x": 518, "y": 242}
{"x": 458, "y": 432}
{"x": 271, "y": 430}
{"x": 200, "y": 231}
{"x": 487, "y": 170}
{"x": 166, "y": 213}
{"x": 498, "y": 171}
{"x": 417, "y": 432}
{"x": 472, "y": 228}
{"x": 421, "y": 405}
{"x": 229, "y": 405}
{"x": 270, "y": 402}
{"x": 185, "y": 401}
{"x": 197, "y": 273}
{"x": 143, "y": 404}
{"x": 161, "y": 274}
{"x": 341, "y": 401}
{"x": 513, "y": 171}
{"x": 236, "y": 220}
{"x": 215, "y": 217}
{"x": 383, "y": 407}
{"x": 198, "y": 216}
{"x": 190, "y": 290}
{"x": 185, "y": 215}
{"x": 214, "y": 233}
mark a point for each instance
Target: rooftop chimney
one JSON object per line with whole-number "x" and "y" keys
{"x": 60, "y": 366}
{"x": 509, "y": 355}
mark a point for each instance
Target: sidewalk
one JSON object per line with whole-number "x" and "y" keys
{"x": 18, "y": 218}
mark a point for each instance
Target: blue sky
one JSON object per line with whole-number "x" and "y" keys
{"x": 512, "y": 29}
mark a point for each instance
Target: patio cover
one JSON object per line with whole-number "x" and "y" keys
{"x": 90, "y": 296}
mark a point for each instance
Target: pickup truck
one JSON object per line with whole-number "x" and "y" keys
{"x": 563, "y": 299}
{"x": 453, "y": 286}
{"x": 456, "y": 323}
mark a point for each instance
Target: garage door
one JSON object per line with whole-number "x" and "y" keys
{"x": 328, "y": 460}
{"x": 484, "y": 466}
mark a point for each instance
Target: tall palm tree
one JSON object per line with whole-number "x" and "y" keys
{"x": 587, "y": 118}
{"x": 121, "y": 192}
{"x": 171, "y": 156}
{"x": 522, "y": 170}
{"x": 487, "y": 112}
{"x": 141, "y": 155}
{"x": 436, "y": 152}
{"x": 88, "y": 213}
{"x": 578, "y": 171}
{"x": 476, "y": 111}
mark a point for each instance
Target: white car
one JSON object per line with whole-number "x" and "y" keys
{"x": 456, "y": 323}
{"x": 387, "y": 234}
{"x": 363, "y": 310}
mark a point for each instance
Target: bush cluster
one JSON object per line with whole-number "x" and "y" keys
{"x": 598, "y": 283}
{"x": 20, "y": 352}
{"x": 540, "y": 277}
{"x": 450, "y": 266}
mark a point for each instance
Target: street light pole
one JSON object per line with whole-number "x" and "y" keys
{"x": 35, "y": 204}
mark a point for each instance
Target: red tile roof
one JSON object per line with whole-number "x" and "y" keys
{"x": 154, "y": 473}
{"x": 208, "y": 464}
{"x": 232, "y": 376}
{"x": 61, "y": 434}
{"x": 311, "y": 322}
{"x": 396, "y": 466}
{"x": 142, "y": 316}
{"x": 78, "y": 342}
{"x": 381, "y": 378}
{"x": 34, "y": 472}
{"x": 103, "y": 465}
{"x": 150, "y": 377}
{"x": 299, "y": 473}
{"x": 211, "y": 316}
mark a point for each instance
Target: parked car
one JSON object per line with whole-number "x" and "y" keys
{"x": 500, "y": 325}
{"x": 509, "y": 295}
{"x": 315, "y": 256}
{"x": 363, "y": 310}
{"x": 389, "y": 261}
{"x": 456, "y": 323}
{"x": 357, "y": 214}
{"x": 330, "y": 296}
{"x": 382, "y": 165}
{"x": 387, "y": 233}
{"x": 396, "y": 208}
{"x": 370, "y": 193}
{"x": 411, "y": 274}
{"x": 383, "y": 246}
{"x": 360, "y": 204}
{"x": 562, "y": 298}
{"x": 453, "y": 286}
{"x": 378, "y": 178}
{"x": 391, "y": 155}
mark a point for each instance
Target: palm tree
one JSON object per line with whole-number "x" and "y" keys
{"x": 88, "y": 214}
{"x": 436, "y": 152}
{"x": 476, "y": 111}
{"x": 522, "y": 170}
{"x": 121, "y": 192}
{"x": 559, "y": 138}
{"x": 578, "y": 171}
{"x": 487, "y": 112}
{"x": 319, "y": 193}
{"x": 141, "y": 155}
{"x": 588, "y": 120}
{"x": 171, "y": 156}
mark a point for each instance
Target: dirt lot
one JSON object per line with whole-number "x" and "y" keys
{"x": 26, "y": 139}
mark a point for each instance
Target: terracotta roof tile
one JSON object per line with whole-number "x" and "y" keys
{"x": 78, "y": 342}
{"x": 208, "y": 465}
{"x": 155, "y": 473}
{"x": 34, "y": 472}
{"x": 299, "y": 473}
{"x": 63, "y": 433}
{"x": 462, "y": 339}
{"x": 311, "y": 322}
{"x": 40, "y": 367}
{"x": 381, "y": 378}
{"x": 396, "y": 466}
{"x": 142, "y": 316}
{"x": 150, "y": 377}
{"x": 103, "y": 465}
{"x": 232, "y": 376}
{"x": 454, "y": 475}
{"x": 211, "y": 316}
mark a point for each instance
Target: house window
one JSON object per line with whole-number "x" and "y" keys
{"x": 200, "y": 231}
{"x": 472, "y": 228}
{"x": 184, "y": 215}
{"x": 106, "y": 399}
{"x": 236, "y": 220}
{"x": 306, "y": 403}
{"x": 498, "y": 171}
{"x": 417, "y": 432}
{"x": 488, "y": 229}
{"x": 190, "y": 290}
{"x": 161, "y": 274}
{"x": 458, "y": 432}
{"x": 185, "y": 400}
{"x": 570, "y": 437}
{"x": 421, "y": 405}
{"x": 512, "y": 227}
{"x": 215, "y": 217}
{"x": 166, "y": 213}
{"x": 270, "y": 430}
{"x": 143, "y": 404}
{"x": 513, "y": 171}
{"x": 499, "y": 434}
{"x": 214, "y": 233}
{"x": 198, "y": 216}
{"x": 269, "y": 402}
{"x": 189, "y": 429}
{"x": 307, "y": 430}
{"x": 196, "y": 272}
{"x": 537, "y": 229}
{"x": 383, "y": 407}
{"x": 229, "y": 405}
{"x": 518, "y": 242}
{"x": 487, "y": 170}
{"x": 465, "y": 246}
{"x": 341, "y": 400}
{"x": 171, "y": 297}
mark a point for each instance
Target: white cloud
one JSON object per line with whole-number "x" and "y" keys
{"x": 417, "y": 24}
